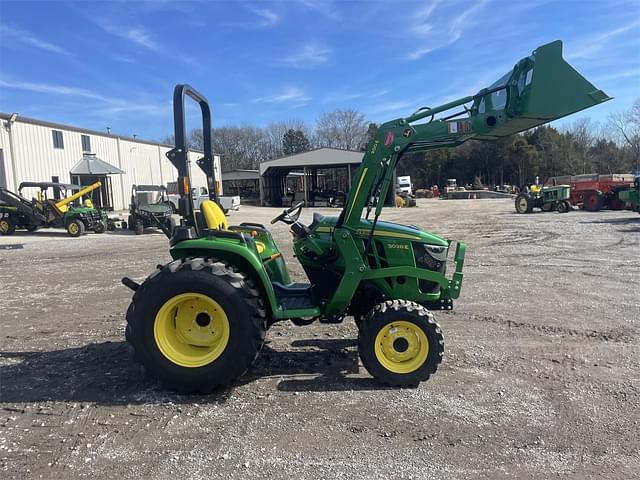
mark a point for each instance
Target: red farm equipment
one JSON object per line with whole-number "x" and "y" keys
{"x": 594, "y": 192}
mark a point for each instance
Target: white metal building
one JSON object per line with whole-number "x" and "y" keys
{"x": 37, "y": 150}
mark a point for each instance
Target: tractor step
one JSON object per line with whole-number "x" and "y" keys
{"x": 294, "y": 296}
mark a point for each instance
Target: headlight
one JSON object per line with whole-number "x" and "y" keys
{"x": 432, "y": 257}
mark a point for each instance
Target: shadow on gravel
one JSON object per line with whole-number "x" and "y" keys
{"x": 633, "y": 222}
{"x": 328, "y": 361}
{"x": 104, "y": 373}
{"x": 633, "y": 219}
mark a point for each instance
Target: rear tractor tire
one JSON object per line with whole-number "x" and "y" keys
{"x": 593, "y": 201}
{"x": 75, "y": 228}
{"x": 524, "y": 203}
{"x": 7, "y": 227}
{"x": 139, "y": 229}
{"x": 563, "y": 206}
{"x": 400, "y": 343}
{"x": 196, "y": 325}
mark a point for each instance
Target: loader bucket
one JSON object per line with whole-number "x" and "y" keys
{"x": 540, "y": 88}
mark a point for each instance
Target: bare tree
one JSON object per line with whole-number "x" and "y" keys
{"x": 345, "y": 129}
{"x": 626, "y": 126}
{"x": 275, "y": 134}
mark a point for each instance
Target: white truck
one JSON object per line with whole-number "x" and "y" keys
{"x": 403, "y": 185}
{"x": 199, "y": 194}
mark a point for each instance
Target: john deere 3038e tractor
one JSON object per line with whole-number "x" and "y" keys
{"x": 200, "y": 321}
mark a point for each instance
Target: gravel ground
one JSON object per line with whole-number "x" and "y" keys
{"x": 540, "y": 377}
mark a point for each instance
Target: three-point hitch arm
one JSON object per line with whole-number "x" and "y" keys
{"x": 540, "y": 88}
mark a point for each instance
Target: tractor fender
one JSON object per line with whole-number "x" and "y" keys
{"x": 236, "y": 254}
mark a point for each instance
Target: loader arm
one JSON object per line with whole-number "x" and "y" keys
{"x": 540, "y": 88}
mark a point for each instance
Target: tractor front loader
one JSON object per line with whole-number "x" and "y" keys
{"x": 199, "y": 321}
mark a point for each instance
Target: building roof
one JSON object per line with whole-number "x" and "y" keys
{"x": 60, "y": 126}
{"x": 321, "y": 157}
{"x": 92, "y": 165}
{"x": 241, "y": 174}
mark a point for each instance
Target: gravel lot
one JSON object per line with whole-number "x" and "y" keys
{"x": 540, "y": 377}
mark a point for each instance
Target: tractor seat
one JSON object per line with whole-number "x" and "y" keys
{"x": 215, "y": 219}
{"x": 213, "y": 215}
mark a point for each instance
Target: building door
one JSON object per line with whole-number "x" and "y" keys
{"x": 3, "y": 171}
{"x": 102, "y": 197}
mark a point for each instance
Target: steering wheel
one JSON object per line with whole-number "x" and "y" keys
{"x": 292, "y": 213}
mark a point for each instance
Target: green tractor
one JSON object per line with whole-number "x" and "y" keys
{"x": 632, "y": 195}
{"x": 547, "y": 199}
{"x": 199, "y": 322}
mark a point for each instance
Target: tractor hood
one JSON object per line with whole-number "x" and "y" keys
{"x": 389, "y": 230}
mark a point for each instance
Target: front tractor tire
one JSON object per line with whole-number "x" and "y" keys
{"x": 75, "y": 228}
{"x": 196, "y": 325}
{"x": 7, "y": 227}
{"x": 400, "y": 343}
{"x": 524, "y": 203}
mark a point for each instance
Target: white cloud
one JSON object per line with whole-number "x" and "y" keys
{"x": 345, "y": 96}
{"x": 137, "y": 35}
{"x": 440, "y": 32}
{"x": 106, "y": 104}
{"x": 289, "y": 94}
{"x": 269, "y": 17}
{"x": 53, "y": 89}
{"x": 28, "y": 38}
{"x": 310, "y": 55}
{"x": 323, "y": 7}
{"x": 591, "y": 46}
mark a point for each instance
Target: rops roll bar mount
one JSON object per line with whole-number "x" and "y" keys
{"x": 179, "y": 156}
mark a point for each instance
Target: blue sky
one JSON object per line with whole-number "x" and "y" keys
{"x": 98, "y": 64}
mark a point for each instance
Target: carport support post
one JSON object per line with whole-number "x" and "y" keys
{"x": 349, "y": 176}
{"x": 305, "y": 185}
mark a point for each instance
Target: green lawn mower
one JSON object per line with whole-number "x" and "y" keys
{"x": 150, "y": 207}
{"x": 199, "y": 322}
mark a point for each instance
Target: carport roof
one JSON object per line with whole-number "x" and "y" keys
{"x": 92, "y": 165}
{"x": 321, "y": 157}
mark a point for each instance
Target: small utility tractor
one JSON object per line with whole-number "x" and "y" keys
{"x": 546, "y": 199}
{"x": 199, "y": 321}
{"x": 632, "y": 195}
{"x": 150, "y": 207}
{"x": 44, "y": 211}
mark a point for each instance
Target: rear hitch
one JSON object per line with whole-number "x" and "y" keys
{"x": 127, "y": 282}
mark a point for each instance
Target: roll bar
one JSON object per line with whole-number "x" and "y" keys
{"x": 179, "y": 155}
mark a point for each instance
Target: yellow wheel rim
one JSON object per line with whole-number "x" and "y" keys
{"x": 191, "y": 330}
{"x": 401, "y": 347}
{"x": 73, "y": 228}
{"x": 4, "y": 226}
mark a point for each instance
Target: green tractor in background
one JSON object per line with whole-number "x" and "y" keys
{"x": 547, "y": 199}
{"x": 200, "y": 321}
{"x": 632, "y": 195}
